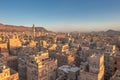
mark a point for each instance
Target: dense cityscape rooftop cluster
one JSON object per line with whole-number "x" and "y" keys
{"x": 46, "y": 55}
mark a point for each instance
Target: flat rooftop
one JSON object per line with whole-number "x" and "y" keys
{"x": 67, "y": 68}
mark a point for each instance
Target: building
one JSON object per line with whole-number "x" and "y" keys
{"x": 3, "y": 47}
{"x": 64, "y": 59}
{"x": 22, "y": 68}
{"x": 14, "y": 42}
{"x": 67, "y": 72}
{"x": 41, "y": 67}
{"x": 116, "y": 61}
{"x": 7, "y": 73}
{"x": 23, "y": 54}
{"x": 11, "y": 61}
{"x": 109, "y": 61}
{"x": 116, "y": 76}
{"x": 93, "y": 69}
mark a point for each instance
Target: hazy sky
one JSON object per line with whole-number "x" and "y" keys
{"x": 62, "y": 15}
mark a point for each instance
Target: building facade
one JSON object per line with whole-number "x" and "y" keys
{"x": 7, "y": 73}
{"x": 94, "y": 69}
{"x": 41, "y": 67}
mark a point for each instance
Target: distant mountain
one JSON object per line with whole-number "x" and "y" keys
{"x": 108, "y": 32}
{"x": 112, "y": 32}
{"x": 13, "y": 28}
{"x": 37, "y": 29}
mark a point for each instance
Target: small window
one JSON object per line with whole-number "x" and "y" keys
{"x": 115, "y": 62}
{"x": 94, "y": 65}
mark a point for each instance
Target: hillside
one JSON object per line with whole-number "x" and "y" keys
{"x": 112, "y": 32}
{"x": 13, "y": 28}
{"x": 108, "y": 32}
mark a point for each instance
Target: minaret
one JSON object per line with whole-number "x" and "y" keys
{"x": 8, "y": 45}
{"x": 33, "y": 29}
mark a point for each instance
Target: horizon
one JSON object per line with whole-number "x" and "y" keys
{"x": 60, "y": 31}
{"x": 62, "y": 15}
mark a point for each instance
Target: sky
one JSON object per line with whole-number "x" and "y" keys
{"x": 62, "y": 15}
